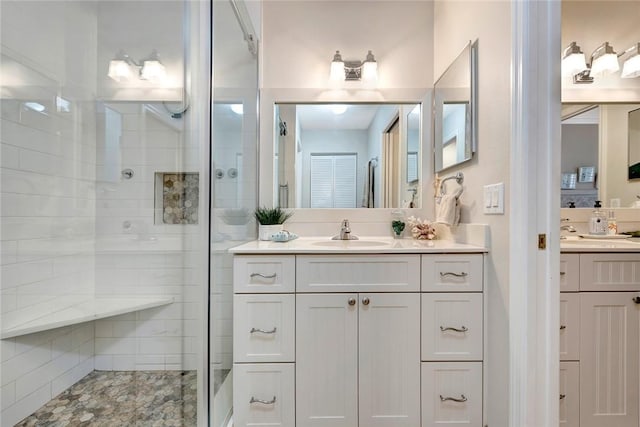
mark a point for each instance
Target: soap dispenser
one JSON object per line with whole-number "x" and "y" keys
{"x": 598, "y": 222}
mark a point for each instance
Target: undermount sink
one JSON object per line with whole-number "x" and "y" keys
{"x": 350, "y": 243}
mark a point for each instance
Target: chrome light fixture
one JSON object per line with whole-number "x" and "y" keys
{"x": 366, "y": 70}
{"x": 604, "y": 61}
{"x": 631, "y": 67}
{"x": 122, "y": 67}
{"x": 573, "y": 60}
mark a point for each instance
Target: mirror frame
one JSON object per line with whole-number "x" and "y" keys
{"x": 471, "y": 115}
{"x": 269, "y": 97}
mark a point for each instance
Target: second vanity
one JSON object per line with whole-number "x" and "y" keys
{"x": 378, "y": 333}
{"x": 600, "y": 333}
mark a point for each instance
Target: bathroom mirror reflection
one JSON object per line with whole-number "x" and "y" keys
{"x": 454, "y": 111}
{"x": 607, "y": 138}
{"x": 364, "y": 155}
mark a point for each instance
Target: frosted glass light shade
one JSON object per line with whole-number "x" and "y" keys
{"x": 573, "y": 64}
{"x": 153, "y": 70}
{"x": 370, "y": 72}
{"x": 337, "y": 71}
{"x": 631, "y": 67}
{"x": 119, "y": 70}
{"x": 605, "y": 64}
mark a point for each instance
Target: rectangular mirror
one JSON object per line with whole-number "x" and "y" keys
{"x": 605, "y": 137}
{"x": 634, "y": 143}
{"x": 362, "y": 155}
{"x": 455, "y": 111}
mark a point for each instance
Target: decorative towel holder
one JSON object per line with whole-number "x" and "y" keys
{"x": 459, "y": 177}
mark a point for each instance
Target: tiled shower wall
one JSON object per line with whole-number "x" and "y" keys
{"x": 48, "y": 195}
{"x": 137, "y": 256}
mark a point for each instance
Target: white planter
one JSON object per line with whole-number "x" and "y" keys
{"x": 265, "y": 231}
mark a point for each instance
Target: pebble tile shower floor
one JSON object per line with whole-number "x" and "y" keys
{"x": 123, "y": 398}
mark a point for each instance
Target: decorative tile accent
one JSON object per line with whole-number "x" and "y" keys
{"x": 123, "y": 398}
{"x": 180, "y": 197}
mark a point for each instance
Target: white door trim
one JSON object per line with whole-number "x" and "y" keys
{"x": 535, "y": 206}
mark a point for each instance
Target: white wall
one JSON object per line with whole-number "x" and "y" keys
{"x": 455, "y": 23}
{"x": 48, "y": 195}
{"x": 590, "y": 23}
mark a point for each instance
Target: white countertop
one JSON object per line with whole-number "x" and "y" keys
{"x": 366, "y": 245}
{"x": 577, "y": 244}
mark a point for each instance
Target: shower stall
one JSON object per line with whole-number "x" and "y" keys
{"x": 128, "y": 168}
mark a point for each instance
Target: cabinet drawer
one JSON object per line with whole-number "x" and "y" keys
{"x": 569, "y": 272}
{"x": 263, "y": 274}
{"x": 358, "y": 273}
{"x": 263, "y": 328}
{"x": 610, "y": 272}
{"x": 569, "y": 394}
{"x": 569, "y": 326}
{"x": 263, "y": 394}
{"x": 452, "y": 326}
{"x": 452, "y": 394}
{"x": 452, "y": 273}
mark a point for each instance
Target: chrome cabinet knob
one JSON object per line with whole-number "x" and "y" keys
{"x": 352, "y": 301}
{"x": 636, "y": 300}
{"x": 365, "y": 301}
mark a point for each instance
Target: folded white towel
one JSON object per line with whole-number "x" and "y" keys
{"x": 448, "y": 210}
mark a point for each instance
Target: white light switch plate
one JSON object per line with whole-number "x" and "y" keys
{"x": 494, "y": 199}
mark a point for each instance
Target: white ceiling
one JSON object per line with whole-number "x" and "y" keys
{"x": 322, "y": 117}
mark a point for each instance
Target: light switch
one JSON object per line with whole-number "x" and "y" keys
{"x": 494, "y": 199}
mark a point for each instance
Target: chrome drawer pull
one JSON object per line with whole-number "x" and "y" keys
{"x": 562, "y": 396}
{"x": 636, "y": 300}
{"x": 562, "y": 327}
{"x": 562, "y": 273}
{"x": 450, "y": 273}
{"x": 264, "y": 402}
{"x": 262, "y": 331}
{"x": 462, "y": 398}
{"x": 270, "y": 276}
{"x": 450, "y": 328}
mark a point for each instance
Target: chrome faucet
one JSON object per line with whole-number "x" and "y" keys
{"x": 345, "y": 232}
{"x": 569, "y": 228}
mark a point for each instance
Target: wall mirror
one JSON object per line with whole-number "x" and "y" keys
{"x": 605, "y": 137}
{"x": 358, "y": 155}
{"x": 455, "y": 111}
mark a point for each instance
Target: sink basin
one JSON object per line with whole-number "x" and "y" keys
{"x": 350, "y": 243}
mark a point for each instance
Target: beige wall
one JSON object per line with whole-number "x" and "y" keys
{"x": 455, "y": 23}
{"x": 300, "y": 38}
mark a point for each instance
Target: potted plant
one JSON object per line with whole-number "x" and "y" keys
{"x": 270, "y": 220}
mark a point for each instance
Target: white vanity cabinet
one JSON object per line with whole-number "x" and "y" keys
{"x": 358, "y": 358}
{"x": 358, "y": 340}
{"x": 600, "y": 340}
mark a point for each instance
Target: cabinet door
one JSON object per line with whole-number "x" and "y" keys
{"x": 263, "y": 395}
{"x": 569, "y": 272}
{"x": 609, "y": 359}
{"x": 389, "y": 360}
{"x": 569, "y": 326}
{"x": 327, "y": 360}
{"x": 451, "y": 326}
{"x": 452, "y": 394}
{"x": 569, "y": 394}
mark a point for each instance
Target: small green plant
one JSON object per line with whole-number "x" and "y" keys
{"x": 398, "y": 226}
{"x": 271, "y": 216}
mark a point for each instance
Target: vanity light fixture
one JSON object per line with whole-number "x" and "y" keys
{"x": 123, "y": 67}
{"x": 366, "y": 70}
{"x": 573, "y": 60}
{"x": 604, "y": 60}
{"x": 631, "y": 67}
